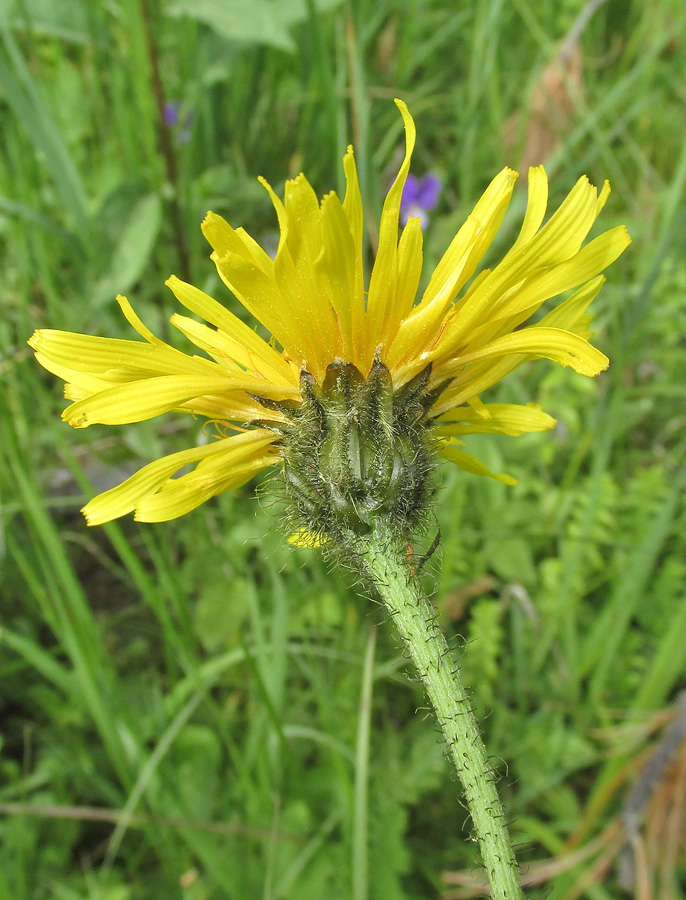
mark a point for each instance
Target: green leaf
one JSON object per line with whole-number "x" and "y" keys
{"x": 217, "y": 618}
{"x": 250, "y": 21}
{"x": 65, "y": 20}
{"x": 132, "y": 251}
{"x": 511, "y": 559}
{"x": 24, "y": 97}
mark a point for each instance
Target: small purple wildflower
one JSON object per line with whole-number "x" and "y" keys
{"x": 171, "y": 114}
{"x": 181, "y": 124}
{"x": 420, "y": 195}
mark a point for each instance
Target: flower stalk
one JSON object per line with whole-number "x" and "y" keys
{"x": 385, "y": 558}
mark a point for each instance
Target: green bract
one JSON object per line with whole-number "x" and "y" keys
{"x": 354, "y": 450}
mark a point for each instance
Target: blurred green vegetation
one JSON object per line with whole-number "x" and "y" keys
{"x": 180, "y": 703}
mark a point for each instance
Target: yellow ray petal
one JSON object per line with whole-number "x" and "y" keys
{"x": 84, "y": 383}
{"x": 213, "y": 342}
{"x": 504, "y": 418}
{"x": 247, "y": 348}
{"x": 225, "y": 240}
{"x": 455, "y": 268}
{"x": 380, "y": 320}
{"x": 315, "y": 338}
{"x": 123, "y": 499}
{"x": 566, "y": 230}
{"x": 473, "y": 465}
{"x": 479, "y": 408}
{"x": 255, "y": 286}
{"x": 336, "y": 268}
{"x": 410, "y": 260}
{"x": 602, "y": 198}
{"x": 471, "y": 241}
{"x": 216, "y": 344}
{"x": 261, "y": 257}
{"x": 231, "y": 408}
{"x": 303, "y": 218}
{"x": 261, "y": 296}
{"x": 562, "y": 347}
{"x": 352, "y": 202}
{"x": 304, "y": 243}
{"x": 352, "y": 207}
{"x": 383, "y": 316}
{"x": 558, "y": 240}
{"x": 536, "y": 205}
{"x": 522, "y": 303}
{"x": 308, "y": 309}
{"x": 476, "y": 379}
{"x": 419, "y": 328}
{"x": 102, "y": 356}
{"x": 210, "y": 478}
{"x": 144, "y": 399}
{"x": 136, "y": 323}
{"x": 567, "y": 314}
{"x": 586, "y": 264}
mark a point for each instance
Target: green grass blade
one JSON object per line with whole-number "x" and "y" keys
{"x": 361, "y": 797}
{"x": 24, "y": 97}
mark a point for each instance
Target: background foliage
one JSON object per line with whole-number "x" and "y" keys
{"x": 181, "y": 703}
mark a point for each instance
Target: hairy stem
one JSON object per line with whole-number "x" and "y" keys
{"x": 386, "y": 562}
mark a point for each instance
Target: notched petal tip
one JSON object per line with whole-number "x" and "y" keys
{"x": 602, "y": 197}
{"x": 507, "y": 174}
{"x": 298, "y": 180}
{"x": 218, "y": 233}
{"x": 93, "y": 516}
{"x": 209, "y": 220}
{"x": 625, "y": 232}
{"x": 591, "y": 368}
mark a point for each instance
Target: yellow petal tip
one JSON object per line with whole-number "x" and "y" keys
{"x": 90, "y": 515}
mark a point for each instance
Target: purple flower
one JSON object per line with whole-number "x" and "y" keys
{"x": 181, "y": 124}
{"x": 420, "y": 195}
{"x": 171, "y": 114}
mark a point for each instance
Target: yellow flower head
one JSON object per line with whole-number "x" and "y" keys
{"x": 416, "y": 368}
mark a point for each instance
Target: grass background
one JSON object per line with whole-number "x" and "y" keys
{"x": 181, "y": 704}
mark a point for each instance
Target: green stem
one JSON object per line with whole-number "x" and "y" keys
{"x": 386, "y": 562}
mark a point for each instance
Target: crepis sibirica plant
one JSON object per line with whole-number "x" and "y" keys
{"x": 358, "y": 393}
